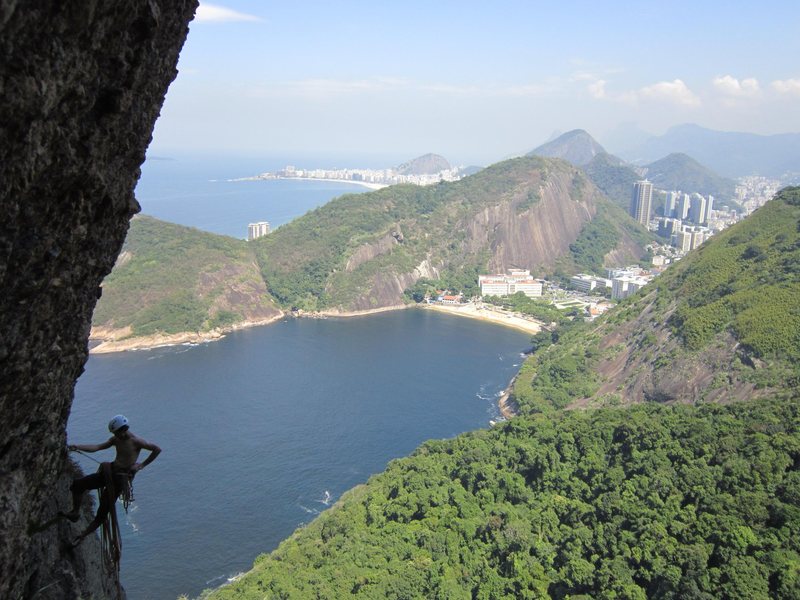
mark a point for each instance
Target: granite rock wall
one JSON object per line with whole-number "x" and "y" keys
{"x": 81, "y": 85}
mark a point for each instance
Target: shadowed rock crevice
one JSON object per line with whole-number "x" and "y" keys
{"x": 81, "y": 85}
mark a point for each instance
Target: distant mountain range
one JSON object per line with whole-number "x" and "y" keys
{"x": 730, "y": 153}
{"x": 615, "y": 177}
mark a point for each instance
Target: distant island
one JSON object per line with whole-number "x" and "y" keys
{"x": 423, "y": 170}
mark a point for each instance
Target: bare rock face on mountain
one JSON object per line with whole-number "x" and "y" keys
{"x": 538, "y": 235}
{"x": 82, "y": 84}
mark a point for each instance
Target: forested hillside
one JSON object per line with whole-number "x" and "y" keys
{"x": 681, "y": 172}
{"x": 171, "y": 279}
{"x": 361, "y": 252}
{"x": 615, "y": 178}
{"x": 649, "y": 502}
{"x": 657, "y": 500}
{"x": 721, "y": 325}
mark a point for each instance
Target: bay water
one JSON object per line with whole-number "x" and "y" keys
{"x": 266, "y": 428}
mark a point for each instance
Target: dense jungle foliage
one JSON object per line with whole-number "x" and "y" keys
{"x": 748, "y": 279}
{"x": 648, "y": 502}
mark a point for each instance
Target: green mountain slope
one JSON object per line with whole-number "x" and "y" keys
{"x": 731, "y": 153}
{"x": 650, "y": 501}
{"x": 428, "y": 164}
{"x": 576, "y": 147}
{"x": 682, "y": 172}
{"x": 361, "y": 252}
{"x": 173, "y": 279}
{"x": 723, "y": 324}
{"x": 613, "y": 177}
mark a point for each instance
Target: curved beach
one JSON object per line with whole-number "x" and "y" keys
{"x": 500, "y": 317}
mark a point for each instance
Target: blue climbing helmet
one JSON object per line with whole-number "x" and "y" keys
{"x": 117, "y": 423}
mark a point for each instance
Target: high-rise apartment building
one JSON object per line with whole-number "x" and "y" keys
{"x": 709, "y": 207}
{"x": 257, "y": 230}
{"x": 697, "y": 209}
{"x": 670, "y": 203}
{"x": 683, "y": 207}
{"x": 641, "y": 201}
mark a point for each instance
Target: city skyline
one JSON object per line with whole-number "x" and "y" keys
{"x": 472, "y": 83}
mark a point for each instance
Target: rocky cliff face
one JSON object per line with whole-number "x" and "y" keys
{"x": 82, "y": 84}
{"x": 538, "y": 235}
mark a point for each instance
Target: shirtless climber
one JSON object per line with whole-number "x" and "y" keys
{"x": 123, "y": 469}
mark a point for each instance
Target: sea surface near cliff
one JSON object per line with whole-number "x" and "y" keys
{"x": 265, "y": 428}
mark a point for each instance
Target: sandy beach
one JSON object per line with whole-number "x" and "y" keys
{"x": 366, "y": 184}
{"x": 116, "y": 340}
{"x": 473, "y": 311}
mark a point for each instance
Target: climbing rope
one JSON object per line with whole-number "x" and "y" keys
{"x": 87, "y": 456}
{"x": 126, "y": 494}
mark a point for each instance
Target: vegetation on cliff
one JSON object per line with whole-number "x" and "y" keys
{"x": 679, "y": 171}
{"x": 650, "y": 502}
{"x": 722, "y": 324}
{"x": 172, "y": 279}
{"x": 364, "y": 250}
{"x": 615, "y": 178}
{"x": 657, "y": 500}
{"x": 576, "y": 147}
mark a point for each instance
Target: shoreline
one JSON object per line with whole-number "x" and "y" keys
{"x": 108, "y": 342}
{"x": 508, "y": 407}
{"x": 151, "y": 342}
{"x": 357, "y": 313}
{"x": 366, "y": 184}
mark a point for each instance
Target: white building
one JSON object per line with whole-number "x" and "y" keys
{"x": 697, "y": 209}
{"x": 629, "y": 271}
{"x": 709, "y": 208}
{"x": 257, "y": 230}
{"x": 670, "y": 203}
{"x": 641, "y": 201}
{"x": 683, "y": 207}
{"x": 586, "y": 283}
{"x": 517, "y": 280}
{"x": 683, "y": 241}
{"x": 622, "y": 287}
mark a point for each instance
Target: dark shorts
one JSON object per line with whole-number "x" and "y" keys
{"x": 96, "y": 480}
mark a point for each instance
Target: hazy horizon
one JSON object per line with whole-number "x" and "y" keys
{"x": 473, "y": 83}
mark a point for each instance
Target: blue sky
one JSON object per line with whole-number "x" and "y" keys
{"x": 473, "y": 81}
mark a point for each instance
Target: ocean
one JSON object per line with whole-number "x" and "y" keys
{"x": 200, "y": 193}
{"x": 263, "y": 430}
